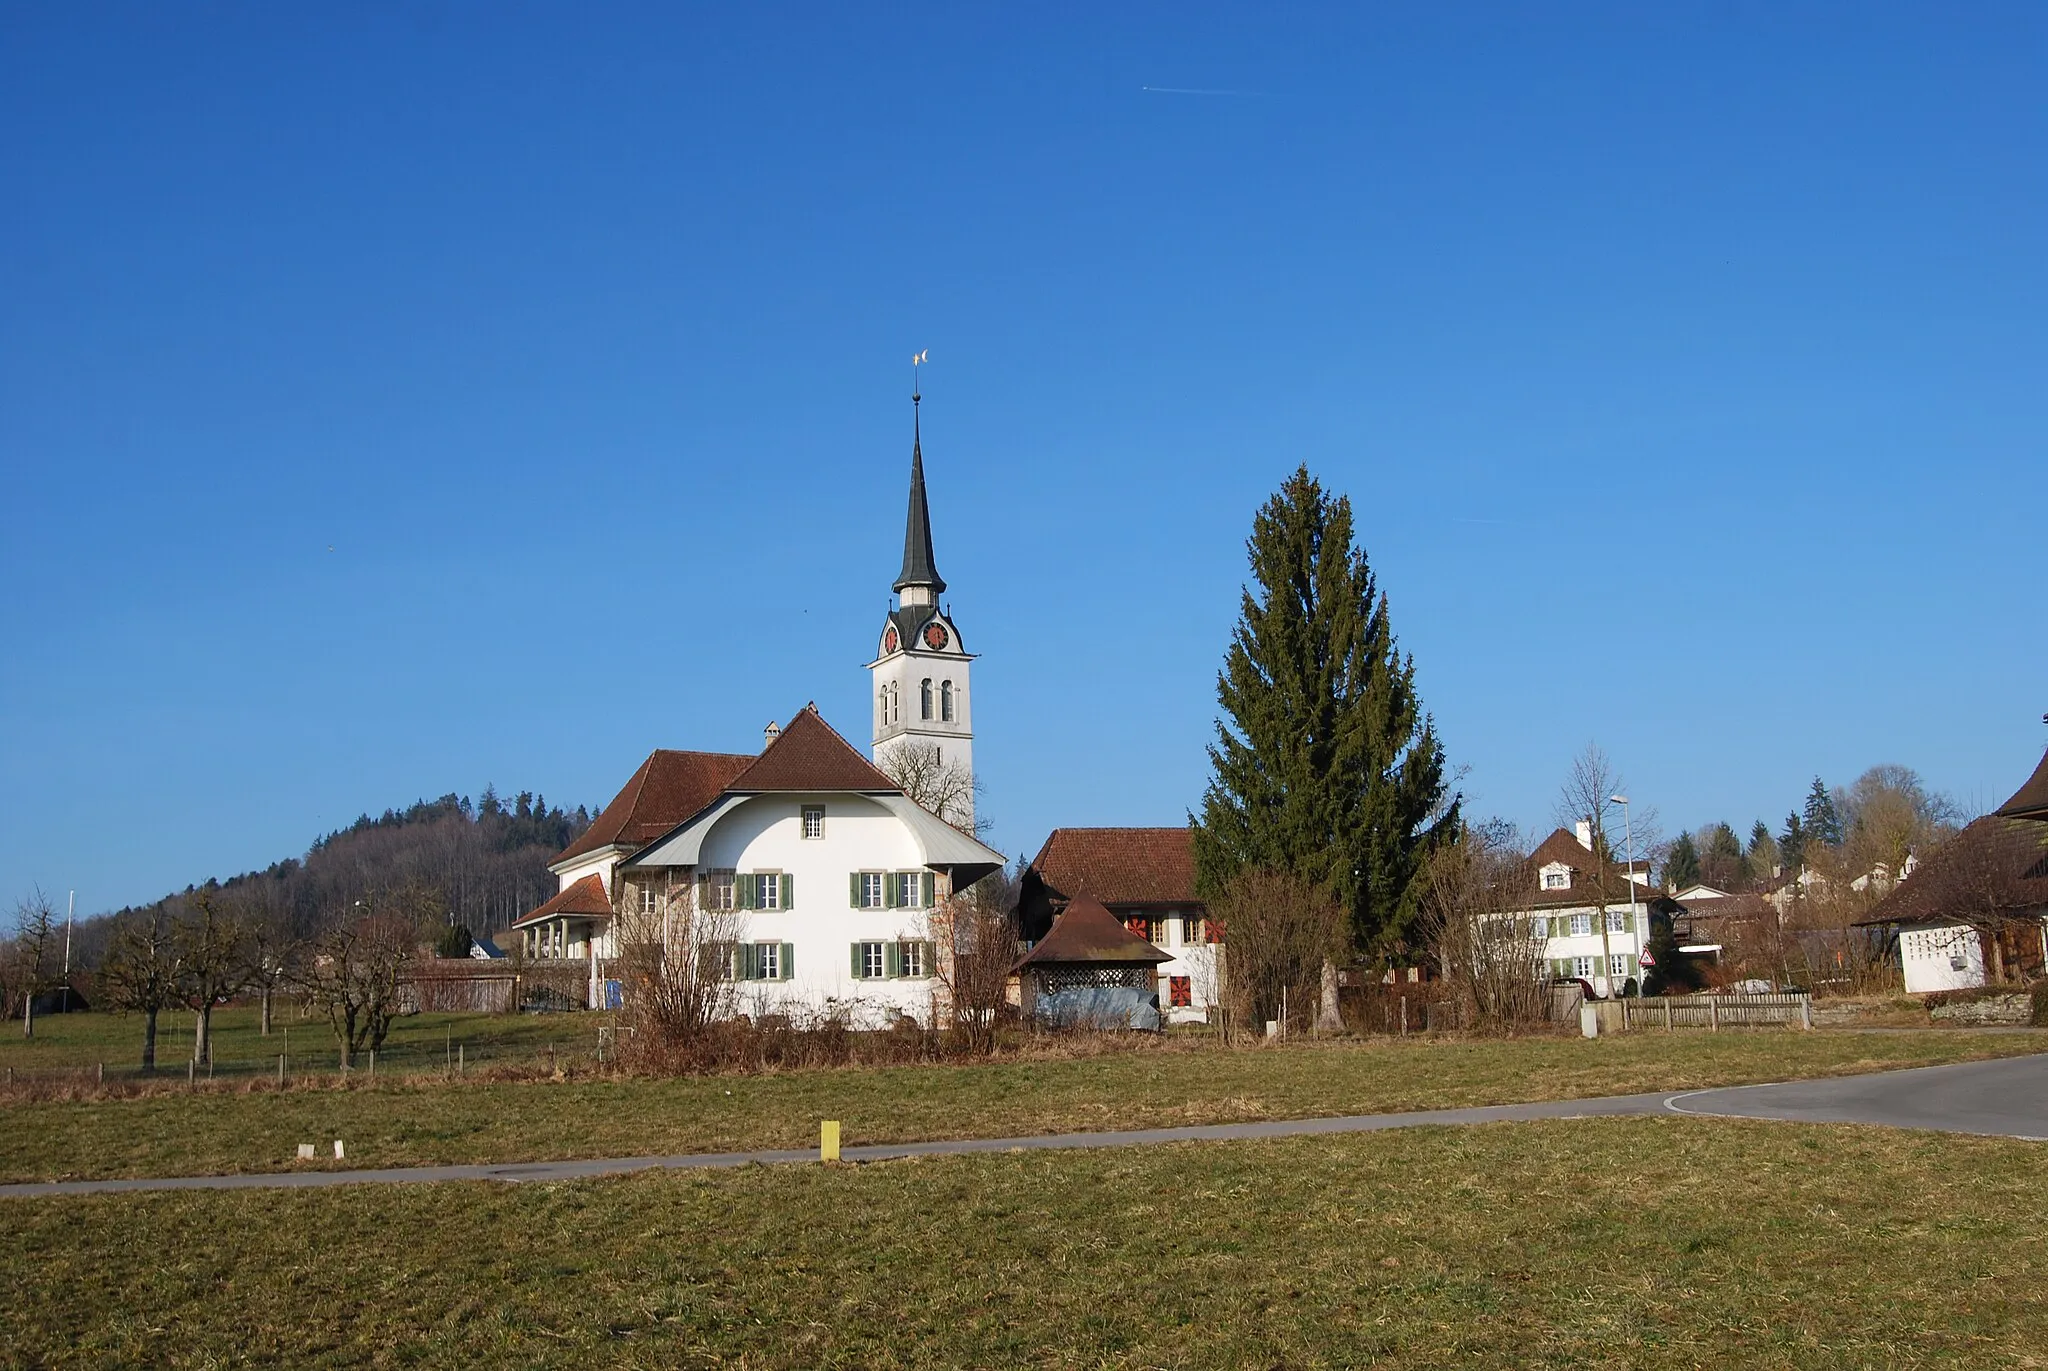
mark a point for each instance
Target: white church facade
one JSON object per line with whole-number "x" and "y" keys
{"x": 829, "y": 882}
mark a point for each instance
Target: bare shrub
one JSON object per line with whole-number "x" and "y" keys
{"x": 354, "y": 974}
{"x": 674, "y": 969}
{"x": 1282, "y": 933}
{"x": 976, "y": 933}
{"x": 1491, "y": 958}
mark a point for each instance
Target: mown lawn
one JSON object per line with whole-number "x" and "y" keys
{"x": 422, "y": 1122}
{"x": 1657, "y": 1242}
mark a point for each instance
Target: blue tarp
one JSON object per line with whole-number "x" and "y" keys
{"x": 1102, "y": 1006}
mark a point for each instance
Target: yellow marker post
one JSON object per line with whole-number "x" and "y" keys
{"x": 828, "y": 1141}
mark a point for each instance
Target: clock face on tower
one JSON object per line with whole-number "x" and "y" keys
{"x": 889, "y": 641}
{"x": 935, "y": 635}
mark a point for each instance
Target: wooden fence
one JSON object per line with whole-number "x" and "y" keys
{"x": 1717, "y": 1011}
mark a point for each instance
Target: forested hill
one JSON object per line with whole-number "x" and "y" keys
{"x": 483, "y": 862}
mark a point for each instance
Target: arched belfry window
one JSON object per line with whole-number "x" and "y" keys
{"x": 946, "y": 701}
{"x": 925, "y": 697}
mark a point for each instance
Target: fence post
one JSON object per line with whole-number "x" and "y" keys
{"x": 191, "y": 1072}
{"x": 1404, "y": 1016}
{"x": 373, "y": 1063}
{"x": 1714, "y": 1013}
{"x": 1667, "y": 1013}
{"x": 458, "y": 1058}
{"x": 99, "y": 1075}
{"x": 1806, "y": 1011}
{"x": 280, "y": 1071}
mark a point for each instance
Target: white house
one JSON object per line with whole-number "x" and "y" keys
{"x": 1977, "y": 909}
{"x": 833, "y": 880}
{"x": 1584, "y": 927}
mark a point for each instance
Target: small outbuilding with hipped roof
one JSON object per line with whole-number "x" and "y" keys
{"x": 1091, "y": 971}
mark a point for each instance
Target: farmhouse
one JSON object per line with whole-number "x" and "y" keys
{"x": 1145, "y": 877}
{"x": 1978, "y": 908}
{"x": 827, "y": 875}
{"x": 1588, "y": 924}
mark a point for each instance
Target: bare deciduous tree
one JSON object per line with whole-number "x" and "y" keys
{"x": 35, "y": 924}
{"x": 947, "y": 789}
{"x": 356, "y": 966}
{"x": 673, "y": 962}
{"x": 140, "y": 973}
{"x": 976, "y": 934}
{"x": 212, "y": 946}
{"x": 1492, "y": 958}
{"x": 1281, "y": 933}
{"x": 1587, "y": 796}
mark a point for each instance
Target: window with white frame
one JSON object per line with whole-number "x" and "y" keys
{"x": 767, "y": 961}
{"x": 909, "y": 892}
{"x": 768, "y": 890}
{"x": 1191, "y": 930}
{"x": 1617, "y": 921}
{"x": 1582, "y": 967}
{"x": 814, "y": 821}
{"x": 946, "y": 702}
{"x": 720, "y": 887}
{"x": 1617, "y": 964}
{"x": 868, "y": 889}
{"x": 1582, "y": 924}
{"x": 871, "y": 960}
{"x": 912, "y": 959}
{"x": 1555, "y": 880}
{"x": 649, "y": 901}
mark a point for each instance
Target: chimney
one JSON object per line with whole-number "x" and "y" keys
{"x": 1585, "y": 827}
{"x": 770, "y": 734}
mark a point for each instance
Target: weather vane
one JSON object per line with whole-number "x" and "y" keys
{"x": 916, "y": 361}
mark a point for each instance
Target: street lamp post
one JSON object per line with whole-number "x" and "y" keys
{"x": 1635, "y": 922}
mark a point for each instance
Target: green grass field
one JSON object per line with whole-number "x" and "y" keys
{"x": 1642, "y": 1243}
{"x": 424, "y": 1121}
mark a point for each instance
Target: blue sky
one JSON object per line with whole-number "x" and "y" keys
{"x": 1685, "y": 365}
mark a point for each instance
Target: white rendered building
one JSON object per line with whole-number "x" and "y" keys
{"x": 1575, "y": 937}
{"x": 828, "y": 882}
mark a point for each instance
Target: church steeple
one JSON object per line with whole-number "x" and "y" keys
{"x": 918, "y": 569}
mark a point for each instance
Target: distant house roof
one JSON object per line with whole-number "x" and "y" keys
{"x": 668, "y": 788}
{"x": 809, "y": 755}
{"x": 1120, "y": 866}
{"x": 583, "y": 898}
{"x": 2030, "y": 801}
{"x": 1087, "y": 932}
{"x": 1995, "y": 866}
{"x": 1563, "y": 848}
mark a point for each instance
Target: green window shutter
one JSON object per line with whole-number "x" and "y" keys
{"x": 931, "y": 959}
{"x": 857, "y": 967}
{"x": 889, "y": 887}
{"x": 743, "y": 891}
{"x": 930, "y": 888}
{"x": 853, "y": 891}
{"x": 892, "y": 959}
{"x": 789, "y": 961}
{"x": 789, "y": 890}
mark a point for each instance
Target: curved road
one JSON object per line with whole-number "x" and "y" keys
{"x": 2004, "y": 1098}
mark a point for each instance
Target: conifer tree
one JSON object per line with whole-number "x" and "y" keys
{"x": 1325, "y": 765}
{"x": 1682, "y": 864}
{"x": 1823, "y": 820}
{"x": 1792, "y": 842}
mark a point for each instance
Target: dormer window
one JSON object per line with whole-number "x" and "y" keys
{"x": 1557, "y": 876}
{"x": 946, "y": 701}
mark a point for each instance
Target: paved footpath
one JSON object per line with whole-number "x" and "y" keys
{"x": 2006, "y": 1098}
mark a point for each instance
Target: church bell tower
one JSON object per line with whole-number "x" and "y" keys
{"x": 924, "y": 721}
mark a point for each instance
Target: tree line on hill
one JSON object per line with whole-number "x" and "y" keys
{"x": 1870, "y": 828}
{"x": 333, "y": 926}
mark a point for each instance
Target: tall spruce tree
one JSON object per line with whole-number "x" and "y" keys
{"x": 1326, "y": 765}
{"x": 1823, "y": 820}
{"x": 1682, "y": 864}
{"x": 1792, "y": 842}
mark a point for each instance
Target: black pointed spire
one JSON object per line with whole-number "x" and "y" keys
{"x": 918, "y": 569}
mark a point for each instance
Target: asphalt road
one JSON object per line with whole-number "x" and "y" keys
{"x": 2005, "y": 1098}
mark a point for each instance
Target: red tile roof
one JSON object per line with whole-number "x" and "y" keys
{"x": 1120, "y": 866}
{"x": 2030, "y": 801}
{"x": 584, "y": 898}
{"x": 668, "y": 788}
{"x": 810, "y": 755}
{"x": 1564, "y": 846}
{"x": 1086, "y": 932}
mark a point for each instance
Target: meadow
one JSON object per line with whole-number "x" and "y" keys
{"x": 551, "y": 1100}
{"x": 1643, "y": 1243}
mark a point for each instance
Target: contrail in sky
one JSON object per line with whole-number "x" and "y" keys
{"x": 1184, "y": 90}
